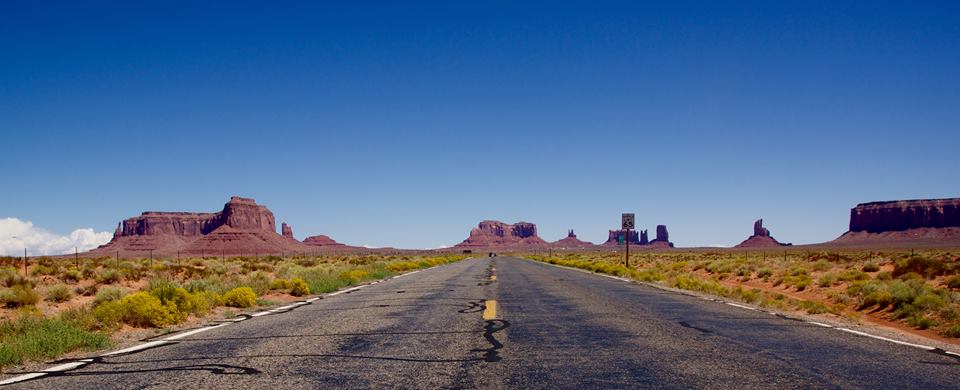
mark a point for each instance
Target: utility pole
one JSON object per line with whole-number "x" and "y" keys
{"x": 76, "y": 256}
{"x": 24, "y": 262}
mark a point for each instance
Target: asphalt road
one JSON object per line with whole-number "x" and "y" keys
{"x": 552, "y": 328}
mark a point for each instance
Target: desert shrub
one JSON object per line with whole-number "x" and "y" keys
{"x": 12, "y": 279}
{"x": 59, "y": 293}
{"x": 71, "y": 276}
{"x": 954, "y": 282}
{"x": 827, "y": 280}
{"x": 813, "y": 307}
{"x": 881, "y": 299}
{"x": 920, "y": 321}
{"x": 355, "y": 275}
{"x": 109, "y": 314}
{"x": 928, "y": 300}
{"x": 852, "y": 274}
{"x": 919, "y": 264}
{"x": 190, "y": 303}
{"x": 145, "y": 310}
{"x": 950, "y": 313}
{"x": 951, "y": 331}
{"x": 108, "y": 276}
{"x": 241, "y": 297}
{"x": 910, "y": 275}
{"x": 821, "y": 265}
{"x": 259, "y": 282}
{"x": 19, "y": 296}
{"x": 884, "y": 276}
{"x": 871, "y": 267}
{"x": 34, "y": 338}
{"x": 44, "y": 270}
{"x": 764, "y": 273}
{"x": 107, "y": 294}
{"x": 904, "y": 292}
{"x": 279, "y": 284}
{"x": 162, "y": 288}
{"x": 86, "y": 290}
{"x": 89, "y": 272}
{"x": 299, "y": 287}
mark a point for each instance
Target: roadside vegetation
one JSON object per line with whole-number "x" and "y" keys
{"x": 920, "y": 290}
{"x": 66, "y": 305}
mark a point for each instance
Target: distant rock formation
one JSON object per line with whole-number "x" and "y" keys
{"x": 924, "y": 222}
{"x": 761, "y": 238}
{"x": 641, "y": 239}
{"x": 614, "y": 237}
{"x": 499, "y": 234}
{"x": 571, "y": 241}
{"x": 286, "y": 231}
{"x": 899, "y": 215}
{"x": 321, "y": 240}
{"x": 242, "y": 227}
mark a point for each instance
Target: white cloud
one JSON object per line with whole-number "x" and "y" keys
{"x": 719, "y": 246}
{"x": 16, "y": 235}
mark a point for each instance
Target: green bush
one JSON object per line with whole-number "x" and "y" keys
{"x": 32, "y": 338}
{"x": 871, "y": 267}
{"x": 952, "y": 331}
{"x": 881, "y": 299}
{"x": 20, "y": 296}
{"x": 299, "y": 288}
{"x": 41, "y": 270}
{"x": 919, "y": 264}
{"x": 108, "y": 294}
{"x": 108, "y": 277}
{"x": 279, "y": 284}
{"x": 72, "y": 276}
{"x": 764, "y": 273}
{"x": 241, "y": 297}
{"x": 954, "y": 282}
{"x": 827, "y": 280}
{"x": 920, "y": 321}
{"x": 852, "y": 274}
{"x": 59, "y": 293}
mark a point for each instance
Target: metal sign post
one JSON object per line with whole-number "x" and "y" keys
{"x": 627, "y": 223}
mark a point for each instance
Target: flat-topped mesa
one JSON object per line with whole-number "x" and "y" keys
{"x": 496, "y": 233}
{"x": 899, "y": 215}
{"x": 239, "y": 213}
{"x": 761, "y": 238}
{"x": 241, "y": 227}
{"x": 321, "y": 240}
{"x": 286, "y": 231}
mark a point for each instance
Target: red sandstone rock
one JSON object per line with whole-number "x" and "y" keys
{"x": 761, "y": 238}
{"x": 242, "y": 228}
{"x": 321, "y": 240}
{"x": 571, "y": 241}
{"x": 898, "y": 215}
{"x": 499, "y": 234}
{"x": 286, "y": 231}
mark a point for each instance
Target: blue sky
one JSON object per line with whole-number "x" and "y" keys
{"x": 389, "y": 125}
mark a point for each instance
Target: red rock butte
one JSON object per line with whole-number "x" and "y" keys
{"x": 923, "y": 222}
{"x": 496, "y": 234}
{"x": 641, "y": 239}
{"x": 571, "y": 242}
{"x": 761, "y": 238}
{"x": 243, "y": 227}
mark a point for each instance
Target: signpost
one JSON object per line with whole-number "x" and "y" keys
{"x": 627, "y": 223}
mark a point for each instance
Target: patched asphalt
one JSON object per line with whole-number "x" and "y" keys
{"x": 552, "y": 328}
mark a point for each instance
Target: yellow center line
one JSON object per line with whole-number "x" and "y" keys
{"x": 490, "y": 310}
{"x": 493, "y": 277}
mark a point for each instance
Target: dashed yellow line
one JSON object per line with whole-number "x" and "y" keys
{"x": 493, "y": 277}
{"x": 490, "y": 310}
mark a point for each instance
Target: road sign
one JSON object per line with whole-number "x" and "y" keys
{"x": 626, "y": 220}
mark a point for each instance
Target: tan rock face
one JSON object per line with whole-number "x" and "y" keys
{"x": 321, "y": 240}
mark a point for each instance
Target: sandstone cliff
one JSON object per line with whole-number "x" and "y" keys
{"x": 499, "y": 234}
{"x": 922, "y": 222}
